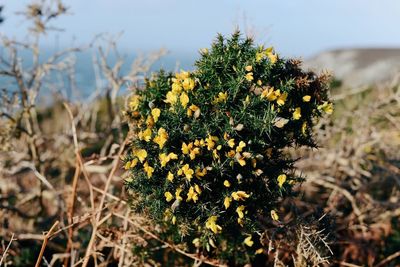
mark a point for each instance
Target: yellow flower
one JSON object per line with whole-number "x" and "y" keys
{"x": 269, "y": 94}
{"x": 195, "y": 151}
{"x": 210, "y": 141}
{"x": 239, "y": 211}
{"x": 281, "y": 99}
{"x": 148, "y": 169}
{"x": 141, "y": 154}
{"x": 281, "y": 179}
{"x": 249, "y": 76}
{"x": 249, "y": 68}
{"x": 201, "y": 173}
{"x": 259, "y": 82}
{"x": 184, "y": 98}
{"x": 241, "y": 160}
{"x": 231, "y": 143}
{"x": 211, "y": 224}
{"x": 192, "y": 195}
{"x": 145, "y": 135}
{"x": 231, "y": 154}
{"x": 131, "y": 164}
{"x": 248, "y": 242}
{"x": 155, "y": 112}
{"x": 297, "y": 113}
{"x": 240, "y": 147}
{"x": 222, "y": 97}
{"x": 161, "y": 137}
{"x": 195, "y": 109}
{"x": 170, "y": 176}
{"x": 274, "y": 215}
{"x": 164, "y": 158}
{"x": 259, "y": 251}
{"x": 171, "y": 98}
{"x": 227, "y": 202}
{"x": 304, "y": 128}
{"x": 150, "y": 121}
{"x": 182, "y": 75}
{"x": 178, "y": 194}
{"x": 227, "y": 183}
{"x": 306, "y": 98}
{"x": 176, "y": 87}
{"x": 173, "y": 220}
{"x": 186, "y": 148}
{"x": 187, "y": 171}
{"x": 134, "y": 103}
{"x": 266, "y": 53}
{"x": 215, "y": 154}
{"x": 172, "y": 156}
{"x": 197, "y": 189}
{"x": 272, "y": 57}
{"x": 326, "y": 107}
{"x": 240, "y": 195}
{"x": 168, "y": 196}
{"x": 199, "y": 142}
{"x": 269, "y": 52}
{"x": 188, "y": 84}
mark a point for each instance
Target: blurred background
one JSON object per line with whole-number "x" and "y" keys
{"x": 357, "y": 40}
{"x": 68, "y": 67}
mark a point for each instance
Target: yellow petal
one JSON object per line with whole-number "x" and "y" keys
{"x": 155, "y": 112}
{"x": 227, "y": 202}
{"x": 141, "y": 154}
{"x": 249, "y": 76}
{"x": 231, "y": 143}
{"x": 170, "y": 176}
{"x": 274, "y": 215}
{"x": 239, "y": 211}
{"x": 184, "y": 98}
{"x": 248, "y": 242}
{"x": 281, "y": 179}
{"x": 227, "y": 183}
{"x": 304, "y": 128}
{"x": 297, "y": 113}
{"x": 306, "y": 98}
{"x": 168, "y": 196}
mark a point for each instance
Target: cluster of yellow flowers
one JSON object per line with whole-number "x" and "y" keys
{"x": 266, "y": 53}
{"x": 182, "y": 83}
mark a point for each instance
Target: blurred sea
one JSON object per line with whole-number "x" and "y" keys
{"x": 84, "y": 82}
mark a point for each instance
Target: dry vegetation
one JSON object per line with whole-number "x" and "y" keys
{"x": 62, "y": 199}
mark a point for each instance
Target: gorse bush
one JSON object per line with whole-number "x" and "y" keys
{"x": 207, "y": 164}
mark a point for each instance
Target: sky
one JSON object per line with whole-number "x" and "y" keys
{"x": 298, "y": 28}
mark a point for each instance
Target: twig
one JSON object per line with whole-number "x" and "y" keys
{"x": 122, "y": 257}
{"x": 96, "y": 222}
{"x": 388, "y": 259}
{"x": 70, "y": 212}
{"x": 189, "y": 255}
{"x": 6, "y": 250}
{"x": 45, "y": 240}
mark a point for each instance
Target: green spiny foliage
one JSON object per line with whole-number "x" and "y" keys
{"x": 207, "y": 164}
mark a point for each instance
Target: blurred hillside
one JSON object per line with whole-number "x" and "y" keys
{"x": 358, "y": 66}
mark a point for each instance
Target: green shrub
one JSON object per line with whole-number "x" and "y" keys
{"x": 207, "y": 164}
